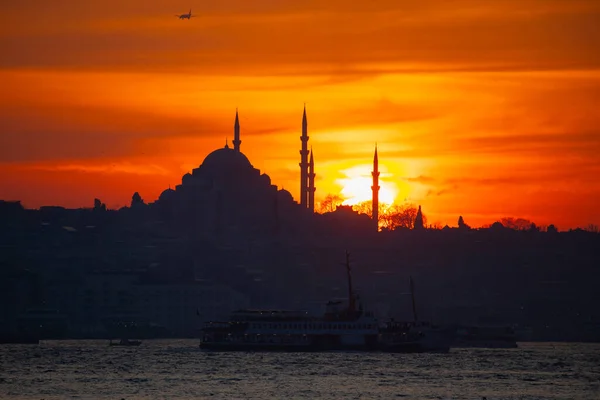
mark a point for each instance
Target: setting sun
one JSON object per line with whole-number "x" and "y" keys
{"x": 356, "y": 186}
{"x": 475, "y": 118}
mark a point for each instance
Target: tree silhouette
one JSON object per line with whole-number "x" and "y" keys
{"x": 330, "y": 203}
{"x": 592, "y": 228}
{"x": 461, "y": 223}
{"x": 534, "y": 228}
{"x": 99, "y": 206}
{"x": 518, "y": 224}
{"x": 401, "y": 216}
{"x": 136, "y": 200}
{"x": 437, "y": 225}
{"x": 390, "y": 216}
{"x": 366, "y": 207}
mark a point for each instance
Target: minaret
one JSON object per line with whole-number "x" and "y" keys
{"x": 236, "y": 133}
{"x": 375, "y": 189}
{"x": 311, "y": 182}
{"x": 419, "y": 220}
{"x": 304, "y": 161}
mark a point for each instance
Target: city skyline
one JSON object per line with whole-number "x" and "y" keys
{"x": 485, "y": 111}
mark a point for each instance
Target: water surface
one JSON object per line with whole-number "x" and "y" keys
{"x": 178, "y": 369}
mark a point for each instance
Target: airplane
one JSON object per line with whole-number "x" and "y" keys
{"x": 184, "y": 16}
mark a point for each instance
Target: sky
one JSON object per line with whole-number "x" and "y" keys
{"x": 485, "y": 109}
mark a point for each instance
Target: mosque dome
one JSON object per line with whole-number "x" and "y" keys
{"x": 226, "y": 159}
{"x": 166, "y": 195}
{"x": 285, "y": 195}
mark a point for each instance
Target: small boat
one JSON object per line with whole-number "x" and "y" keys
{"x": 125, "y": 342}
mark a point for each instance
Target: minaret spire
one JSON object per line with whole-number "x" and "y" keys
{"x": 304, "y": 161}
{"x": 375, "y": 189}
{"x": 236, "y": 133}
{"x": 311, "y": 182}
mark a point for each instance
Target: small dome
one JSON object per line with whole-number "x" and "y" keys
{"x": 226, "y": 158}
{"x": 285, "y": 195}
{"x": 166, "y": 195}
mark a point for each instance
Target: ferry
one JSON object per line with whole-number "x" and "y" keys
{"x": 344, "y": 326}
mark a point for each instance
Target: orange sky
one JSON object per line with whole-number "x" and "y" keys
{"x": 481, "y": 109}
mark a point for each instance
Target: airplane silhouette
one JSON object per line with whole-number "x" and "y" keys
{"x": 184, "y": 16}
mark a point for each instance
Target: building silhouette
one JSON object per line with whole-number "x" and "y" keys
{"x": 226, "y": 195}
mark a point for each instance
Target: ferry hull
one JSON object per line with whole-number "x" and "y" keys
{"x": 317, "y": 344}
{"x": 288, "y": 348}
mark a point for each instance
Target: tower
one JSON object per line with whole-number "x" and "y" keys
{"x": 375, "y": 189}
{"x": 304, "y": 162}
{"x": 236, "y": 133}
{"x": 311, "y": 182}
{"x": 419, "y": 220}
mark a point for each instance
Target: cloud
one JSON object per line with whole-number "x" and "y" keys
{"x": 265, "y": 37}
{"x": 421, "y": 179}
{"x": 112, "y": 168}
{"x": 70, "y": 131}
{"x": 556, "y": 144}
{"x": 386, "y": 111}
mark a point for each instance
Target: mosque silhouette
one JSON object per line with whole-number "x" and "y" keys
{"x": 227, "y": 195}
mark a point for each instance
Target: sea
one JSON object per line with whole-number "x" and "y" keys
{"x": 178, "y": 369}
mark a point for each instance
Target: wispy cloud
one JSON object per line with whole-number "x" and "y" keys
{"x": 112, "y": 168}
{"x": 265, "y": 36}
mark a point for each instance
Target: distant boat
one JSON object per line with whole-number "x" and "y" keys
{"x": 125, "y": 342}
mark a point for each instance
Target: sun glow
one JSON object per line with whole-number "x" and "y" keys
{"x": 356, "y": 186}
